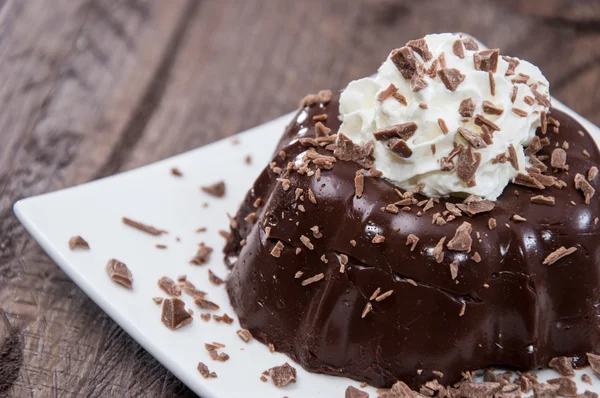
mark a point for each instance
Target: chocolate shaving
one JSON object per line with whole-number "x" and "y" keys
{"x": 477, "y": 205}
{"x": 205, "y": 304}
{"x": 405, "y": 61}
{"x": 513, "y": 158}
{"x": 423, "y": 106}
{"x": 466, "y": 107}
{"x": 384, "y": 295}
{"x": 432, "y": 71}
{"x": 476, "y": 257}
{"x": 277, "y": 249}
{"x": 543, "y": 200}
{"x": 594, "y": 361}
{"x": 492, "y": 223}
{"x": 143, "y": 227}
{"x": 480, "y": 390}
{"x": 400, "y": 147}
{"x": 475, "y": 140}
{"x": 348, "y": 151}
{"x": 169, "y": 286}
{"x": 470, "y": 44}
{"x": 375, "y": 293}
{"x": 442, "y": 60}
{"x": 217, "y": 189}
{"x": 157, "y": 300}
{"x": 438, "y": 251}
{"x": 412, "y": 240}
{"x": 202, "y": 254}
{"x": 558, "y": 254}
{"x": 512, "y": 65}
{"x": 486, "y": 60}
{"x": 519, "y": 112}
{"x": 223, "y": 318}
{"x": 586, "y": 379}
{"x": 77, "y": 242}
{"x": 378, "y": 239}
{"x": 189, "y": 289}
{"x": 454, "y": 269}
{"x": 203, "y": 369}
{"x": 462, "y": 240}
{"x": 118, "y": 272}
{"x": 539, "y": 97}
{"x": 306, "y": 242}
{"x": 215, "y": 280}
{"x": 481, "y": 120}
{"x": 174, "y": 315}
{"x": 518, "y": 218}
{"x": 534, "y": 146}
{"x": 443, "y": 126}
{"x": 466, "y": 166}
{"x": 417, "y": 83}
{"x": 491, "y": 109}
{"x": 457, "y": 49}
{"x": 353, "y": 392}
{"x": 420, "y": 47}
{"x": 387, "y": 93}
{"x": 528, "y": 181}
{"x": 563, "y": 365}
{"x": 451, "y": 77}
{"x": 404, "y": 131}
{"x": 567, "y": 387}
{"x": 313, "y": 279}
{"x": 400, "y": 98}
{"x": 513, "y": 94}
{"x": 592, "y": 173}
{"x": 368, "y": 308}
{"x": 585, "y": 187}
{"x": 492, "y": 83}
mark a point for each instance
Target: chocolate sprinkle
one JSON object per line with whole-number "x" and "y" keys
{"x": 217, "y": 189}
{"x": 143, "y": 227}
{"x": 157, "y": 300}
{"x": 282, "y": 375}
{"x": 586, "y": 378}
{"x": 481, "y": 120}
{"x": 176, "y": 172}
{"x": 512, "y": 65}
{"x": 594, "y": 361}
{"x": 451, "y": 77}
{"x": 519, "y": 112}
{"x": 118, "y": 272}
{"x": 203, "y": 369}
{"x": 558, "y": 254}
{"x": 313, "y": 279}
{"x": 443, "y": 126}
{"x": 77, "y": 242}
{"x": 567, "y": 387}
{"x": 174, "y": 315}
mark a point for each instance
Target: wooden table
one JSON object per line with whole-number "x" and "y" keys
{"x": 91, "y": 88}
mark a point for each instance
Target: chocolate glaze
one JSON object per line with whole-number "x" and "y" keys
{"x": 529, "y": 314}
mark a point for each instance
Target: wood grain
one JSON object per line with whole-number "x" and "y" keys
{"x": 94, "y": 87}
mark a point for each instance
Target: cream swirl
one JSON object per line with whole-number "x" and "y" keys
{"x": 427, "y": 85}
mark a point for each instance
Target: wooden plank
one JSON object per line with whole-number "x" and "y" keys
{"x": 64, "y": 340}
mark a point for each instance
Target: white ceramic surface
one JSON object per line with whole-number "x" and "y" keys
{"x": 152, "y": 195}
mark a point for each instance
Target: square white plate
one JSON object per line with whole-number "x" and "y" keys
{"x": 153, "y": 196}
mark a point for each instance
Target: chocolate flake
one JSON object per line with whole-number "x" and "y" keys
{"x": 277, "y": 249}
{"x": 157, "y": 300}
{"x": 400, "y": 147}
{"x": 466, "y": 107}
{"x": 353, "y": 243}
{"x": 387, "y": 93}
{"x": 384, "y": 295}
{"x": 77, "y": 242}
{"x": 202, "y": 254}
{"x": 586, "y": 153}
{"x": 400, "y": 98}
{"x": 442, "y": 60}
{"x": 470, "y": 44}
{"x": 205, "y": 304}
{"x": 585, "y": 187}
{"x": 189, "y": 289}
{"x": 513, "y": 94}
{"x": 475, "y": 205}
{"x": 223, "y": 318}
{"x": 475, "y": 140}
{"x": 462, "y": 240}
{"x": 306, "y": 242}
{"x": 412, "y": 240}
{"x": 592, "y": 173}
{"x": 528, "y": 100}
{"x": 518, "y": 218}
{"x": 463, "y": 308}
{"x": 378, "y": 239}
{"x": 359, "y": 183}
{"x": 438, "y": 251}
{"x": 563, "y": 365}
{"x": 143, "y": 227}
{"x": 486, "y": 60}
{"x": 528, "y": 181}
{"x": 203, "y": 369}
{"x": 567, "y": 387}
{"x": 313, "y": 279}
{"x": 160, "y": 246}
{"x": 594, "y": 361}
{"x": 174, "y": 315}
{"x": 476, "y": 257}
{"x": 543, "y": 200}
{"x": 217, "y": 189}
{"x": 405, "y": 61}
{"x": 215, "y": 280}
{"x": 392, "y": 208}
{"x": 457, "y": 49}
{"x": 454, "y": 269}
{"x": 558, "y": 254}
{"x": 320, "y": 118}
{"x": 417, "y": 83}
{"x": 282, "y": 375}
{"x": 423, "y": 106}
{"x": 443, "y": 126}
{"x": 316, "y": 233}
{"x": 586, "y": 378}
{"x": 451, "y": 77}
{"x": 420, "y": 47}
{"x": 375, "y": 294}
{"x": 519, "y": 112}
{"x": 368, "y": 308}
{"x": 512, "y": 65}
{"x": 481, "y": 120}
{"x": 492, "y": 83}
{"x": 491, "y": 109}
{"x": 169, "y": 286}
{"x": 404, "y": 131}
{"x": 467, "y": 164}
{"x": 118, "y": 272}
{"x": 346, "y": 150}
{"x": 353, "y": 392}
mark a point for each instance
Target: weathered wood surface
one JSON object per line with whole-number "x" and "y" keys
{"x": 89, "y": 88}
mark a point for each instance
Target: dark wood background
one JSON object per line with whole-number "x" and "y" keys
{"x": 90, "y": 88}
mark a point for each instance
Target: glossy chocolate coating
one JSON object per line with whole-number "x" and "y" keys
{"x": 526, "y": 314}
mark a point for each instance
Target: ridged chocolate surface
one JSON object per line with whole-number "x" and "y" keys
{"x": 526, "y": 314}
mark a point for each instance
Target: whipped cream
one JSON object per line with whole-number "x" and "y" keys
{"x": 424, "y": 99}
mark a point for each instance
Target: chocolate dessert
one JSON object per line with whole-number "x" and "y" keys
{"x": 411, "y": 246}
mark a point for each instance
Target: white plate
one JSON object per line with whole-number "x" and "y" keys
{"x": 152, "y": 195}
